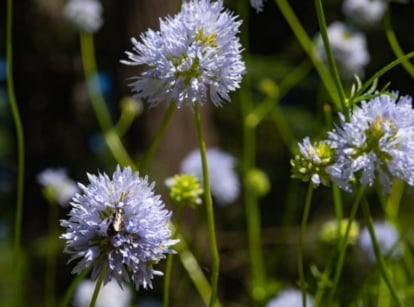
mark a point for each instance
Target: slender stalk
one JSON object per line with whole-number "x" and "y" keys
{"x": 337, "y": 200}
{"x": 209, "y": 209}
{"x": 343, "y": 245}
{"x": 378, "y": 254}
{"x": 253, "y": 219}
{"x": 307, "y": 44}
{"x": 330, "y": 55}
{"x": 50, "y": 276}
{"x": 73, "y": 285}
{"x": 98, "y": 286}
{"x": 395, "y": 46}
{"x": 158, "y": 137}
{"x": 193, "y": 269}
{"x": 251, "y": 118}
{"x": 98, "y": 102}
{"x": 304, "y": 222}
{"x": 168, "y": 266}
{"x": 18, "y": 270}
{"x": 383, "y": 70}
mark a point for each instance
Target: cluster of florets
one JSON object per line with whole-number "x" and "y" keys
{"x": 376, "y": 143}
{"x": 119, "y": 227}
{"x": 195, "y": 57}
{"x": 185, "y": 190}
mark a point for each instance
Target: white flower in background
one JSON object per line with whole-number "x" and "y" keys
{"x": 257, "y": 4}
{"x": 224, "y": 183}
{"x": 57, "y": 185}
{"x": 364, "y": 13}
{"x": 349, "y": 48}
{"x": 85, "y": 14}
{"x": 387, "y": 238}
{"x": 110, "y": 295}
{"x": 290, "y": 298}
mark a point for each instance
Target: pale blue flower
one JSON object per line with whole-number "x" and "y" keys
{"x": 58, "y": 185}
{"x": 290, "y": 298}
{"x": 194, "y": 57}
{"x": 85, "y": 14}
{"x": 109, "y": 295}
{"x": 349, "y": 48}
{"x": 387, "y": 237}
{"x": 118, "y": 223}
{"x": 377, "y": 142}
{"x": 224, "y": 183}
{"x": 257, "y": 4}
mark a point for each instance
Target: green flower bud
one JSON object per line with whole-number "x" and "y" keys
{"x": 258, "y": 182}
{"x": 331, "y": 232}
{"x": 185, "y": 190}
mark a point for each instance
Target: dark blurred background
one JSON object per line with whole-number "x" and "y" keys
{"x": 61, "y": 129}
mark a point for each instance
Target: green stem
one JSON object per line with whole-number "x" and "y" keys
{"x": 343, "y": 244}
{"x": 395, "y": 46}
{"x": 193, "y": 269}
{"x": 18, "y": 269}
{"x": 307, "y": 44}
{"x": 98, "y": 102}
{"x": 209, "y": 209}
{"x": 98, "y": 286}
{"x": 168, "y": 266}
{"x": 330, "y": 55}
{"x": 50, "y": 281}
{"x": 253, "y": 219}
{"x": 378, "y": 254}
{"x": 337, "y": 200}
{"x": 157, "y": 138}
{"x": 392, "y": 205}
{"x": 304, "y": 222}
{"x": 383, "y": 70}
{"x": 73, "y": 285}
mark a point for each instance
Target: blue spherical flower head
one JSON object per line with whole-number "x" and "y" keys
{"x": 377, "y": 142}
{"x": 193, "y": 58}
{"x": 120, "y": 225}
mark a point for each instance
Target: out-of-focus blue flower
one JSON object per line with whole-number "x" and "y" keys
{"x": 387, "y": 237}
{"x": 224, "y": 183}
{"x": 84, "y": 14}
{"x": 377, "y": 142}
{"x": 290, "y": 298}
{"x": 109, "y": 295}
{"x": 118, "y": 223}
{"x": 3, "y": 69}
{"x": 58, "y": 186}
{"x": 102, "y": 82}
{"x": 349, "y": 48}
{"x": 364, "y": 13}
{"x": 257, "y": 4}
{"x": 194, "y": 57}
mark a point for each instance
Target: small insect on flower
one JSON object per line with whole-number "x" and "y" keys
{"x": 119, "y": 225}
{"x": 118, "y": 222}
